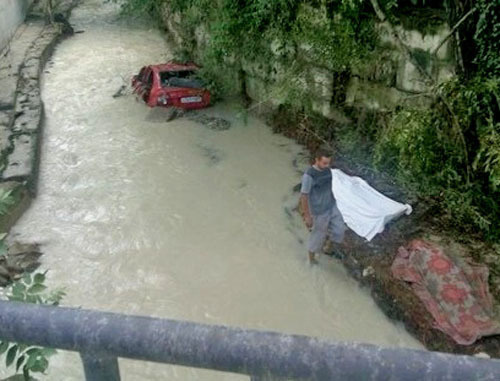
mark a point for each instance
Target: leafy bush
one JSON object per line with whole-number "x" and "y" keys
{"x": 30, "y": 289}
{"x": 476, "y": 105}
{"x": 6, "y": 200}
{"x": 411, "y": 147}
{"x": 422, "y": 149}
{"x": 487, "y": 37}
{"x": 29, "y": 359}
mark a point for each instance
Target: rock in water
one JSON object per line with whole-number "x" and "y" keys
{"x": 175, "y": 113}
{"x": 120, "y": 92}
{"x": 19, "y": 259}
{"x": 67, "y": 29}
{"x": 211, "y": 122}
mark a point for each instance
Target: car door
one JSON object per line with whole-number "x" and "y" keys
{"x": 137, "y": 80}
{"x": 147, "y": 85}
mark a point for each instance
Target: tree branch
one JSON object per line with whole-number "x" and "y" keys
{"x": 404, "y": 49}
{"x": 406, "y": 52}
{"x": 454, "y": 29}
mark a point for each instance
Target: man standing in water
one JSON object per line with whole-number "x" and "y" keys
{"x": 318, "y": 205}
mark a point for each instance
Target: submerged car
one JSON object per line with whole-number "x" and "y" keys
{"x": 171, "y": 85}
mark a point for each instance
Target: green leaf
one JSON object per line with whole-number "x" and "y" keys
{"x": 39, "y": 278}
{"x": 4, "y": 345}
{"x": 27, "y": 278}
{"x": 15, "y": 298}
{"x": 36, "y": 288}
{"x": 18, "y": 289}
{"x": 11, "y": 355}
{"x": 19, "y": 362}
{"x": 34, "y": 351}
{"x": 40, "y": 365}
{"x": 31, "y": 361}
{"x": 55, "y": 297}
{"x": 48, "y": 352}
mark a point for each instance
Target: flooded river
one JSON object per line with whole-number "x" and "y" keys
{"x": 176, "y": 220}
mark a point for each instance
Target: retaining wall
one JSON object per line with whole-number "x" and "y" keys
{"x": 12, "y": 14}
{"x": 391, "y": 81}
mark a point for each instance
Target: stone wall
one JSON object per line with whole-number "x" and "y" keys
{"x": 12, "y": 14}
{"x": 392, "y": 79}
{"x": 21, "y": 109}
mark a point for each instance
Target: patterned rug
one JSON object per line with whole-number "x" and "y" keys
{"x": 454, "y": 291}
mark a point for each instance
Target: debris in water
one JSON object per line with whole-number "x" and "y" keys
{"x": 67, "y": 29}
{"x": 212, "y": 122}
{"x": 120, "y": 92}
{"x": 214, "y": 155}
{"x": 174, "y": 113}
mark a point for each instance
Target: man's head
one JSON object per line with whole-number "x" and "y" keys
{"x": 323, "y": 158}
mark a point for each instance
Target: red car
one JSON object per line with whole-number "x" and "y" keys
{"x": 171, "y": 84}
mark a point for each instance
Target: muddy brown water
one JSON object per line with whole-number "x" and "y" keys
{"x": 177, "y": 220}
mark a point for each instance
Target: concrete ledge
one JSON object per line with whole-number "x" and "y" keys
{"x": 21, "y": 109}
{"x": 21, "y": 116}
{"x": 21, "y": 162}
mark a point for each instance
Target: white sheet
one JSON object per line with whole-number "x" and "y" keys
{"x": 365, "y": 210}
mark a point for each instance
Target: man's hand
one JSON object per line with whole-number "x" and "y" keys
{"x": 308, "y": 221}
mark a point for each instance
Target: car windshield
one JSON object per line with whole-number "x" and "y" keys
{"x": 184, "y": 78}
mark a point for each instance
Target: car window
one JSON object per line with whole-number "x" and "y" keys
{"x": 166, "y": 76}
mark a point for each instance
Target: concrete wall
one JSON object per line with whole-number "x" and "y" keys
{"x": 392, "y": 80}
{"x": 12, "y": 14}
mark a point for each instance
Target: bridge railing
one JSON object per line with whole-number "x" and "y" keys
{"x": 102, "y": 337}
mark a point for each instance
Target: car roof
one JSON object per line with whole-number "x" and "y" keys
{"x": 175, "y": 66}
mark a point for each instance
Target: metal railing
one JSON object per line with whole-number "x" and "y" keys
{"x": 102, "y": 337}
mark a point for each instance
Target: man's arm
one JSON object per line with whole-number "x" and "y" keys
{"x": 304, "y": 199}
{"x": 306, "y": 214}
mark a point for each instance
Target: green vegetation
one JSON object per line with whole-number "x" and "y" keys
{"x": 448, "y": 154}
{"x": 30, "y": 288}
{"x": 29, "y": 359}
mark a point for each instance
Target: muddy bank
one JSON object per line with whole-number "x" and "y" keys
{"x": 370, "y": 262}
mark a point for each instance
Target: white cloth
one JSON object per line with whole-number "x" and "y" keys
{"x": 364, "y": 210}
